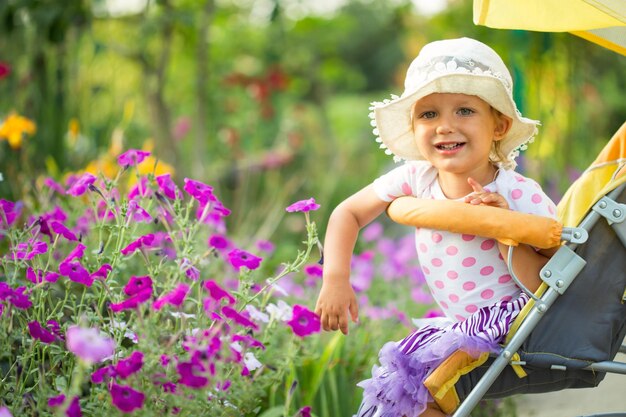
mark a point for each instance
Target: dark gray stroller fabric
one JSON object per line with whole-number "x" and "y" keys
{"x": 586, "y": 324}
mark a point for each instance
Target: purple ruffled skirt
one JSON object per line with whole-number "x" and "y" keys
{"x": 396, "y": 388}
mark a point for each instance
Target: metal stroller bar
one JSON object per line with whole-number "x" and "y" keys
{"x": 536, "y": 313}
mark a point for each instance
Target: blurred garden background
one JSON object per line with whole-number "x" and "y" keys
{"x": 267, "y": 101}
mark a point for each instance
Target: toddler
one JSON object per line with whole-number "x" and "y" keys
{"x": 458, "y": 129}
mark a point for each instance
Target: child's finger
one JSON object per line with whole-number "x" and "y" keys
{"x": 343, "y": 324}
{"x": 354, "y": 312}
{"x": 475, "y": 185}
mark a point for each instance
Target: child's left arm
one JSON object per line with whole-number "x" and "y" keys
{"x": 527, "y": 262}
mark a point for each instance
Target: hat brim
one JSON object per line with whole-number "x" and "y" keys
{"x": 393, "y": 119}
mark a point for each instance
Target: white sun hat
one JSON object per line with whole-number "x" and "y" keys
{"x": 464, "y": 66}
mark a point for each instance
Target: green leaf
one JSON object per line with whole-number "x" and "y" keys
{"x": 274, "y": 412}
{"x": 321, "y": 366}
{"x": 60, "y": 383}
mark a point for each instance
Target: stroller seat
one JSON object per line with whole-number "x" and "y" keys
{"x": 568, "y": 335}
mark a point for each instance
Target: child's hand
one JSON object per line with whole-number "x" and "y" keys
{"x": 334, "y": 303}
{"x": 482, "y": 196}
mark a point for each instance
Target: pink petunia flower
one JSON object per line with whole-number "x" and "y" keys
{"x": 303, "y": 205}
{"x": 239, "y": 258}
{"x": 238, "y": 318}
{"x": 76, "y": 253}
{"x": 89, "y": 344}
{"x": 136, "y": 284}
{"x": 141, "y": 189}
{"x": 53, "y": 185}
{"x": 217, "y": 293}
{"x": 81, "y": 185}
{"x": 102, "y": 272}
{"x": 265, "y": 246}
{"x": 132, "y": 157}
{"x": 5, "y": 71}
{"x": 143, "y": 241}
{"x": 303, "y": 321}
{"x": 176, "y": 297}
{"x": 125, "y": 398}
{"x": 36, "y": 277}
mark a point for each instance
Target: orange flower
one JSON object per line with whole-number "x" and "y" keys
{"x": 14, "y": 128}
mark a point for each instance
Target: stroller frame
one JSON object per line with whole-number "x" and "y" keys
{"x": 558, "y": 274}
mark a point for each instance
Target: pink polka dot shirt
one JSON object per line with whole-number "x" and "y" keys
{"x": 464, "y": 272}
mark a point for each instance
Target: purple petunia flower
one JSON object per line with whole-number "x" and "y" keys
{"x": 102, "y": 272}
{"x": 305, "y": 411}
{"x": 19, "y": 298}
{"x": 98, "y": 376}
{"x": 5, "y": 412}
{"x": 34, "y": 277}
{"x": 176, "y": 297}
{"x": 76, "y": 272}
{"x": 89, "y": 344}
{"x": 81, "y": 185}
{"x": 218, "y": 242}
{"x": 60, "y": 229}
{"x": 138, "y": 213}
{"x": 28, "y": 250}
{"x": 1, "y": 309}
{"x": 265, "y": 246}
{"x": 11, "y": 211}
{"x": 248, "y": 341}
{"x": 189, "y": 371}
{"x": 56, "y": 401}
{"x": 38, "y": 332}
{"x": 128, "y": 366}
{"x": 168, "y": 187}
{"x": 125, "y": 398}
{"x": 303, "y": 321}
{"x": 238, "y": 318}
{"x": 140, "y": 189}
{"x": 73, "y": 409}
{"x": 303, "y": 205}
{"x": 199, "y": 191}
{"x": 239, "y": 258}
{"x": 132, "y": 157}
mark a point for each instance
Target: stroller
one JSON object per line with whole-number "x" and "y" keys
{"x": 569, "y": 333}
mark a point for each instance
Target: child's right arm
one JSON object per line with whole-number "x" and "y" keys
{"x": 337, "y": 297}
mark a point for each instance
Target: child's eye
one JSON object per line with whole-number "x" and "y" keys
{"x": 465, "y": 111}
{"x": 428, "y": 115}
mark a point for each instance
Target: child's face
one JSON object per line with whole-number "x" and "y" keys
{"x": 455, "y": 132}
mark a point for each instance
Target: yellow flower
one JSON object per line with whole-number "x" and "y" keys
{"x": 14, "y": 128}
